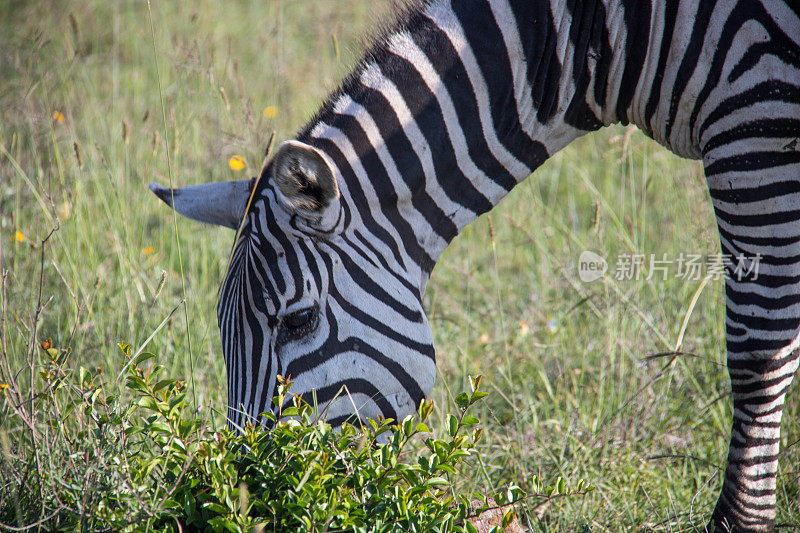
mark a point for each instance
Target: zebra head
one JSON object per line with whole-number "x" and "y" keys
{"x": 308, "y": 296}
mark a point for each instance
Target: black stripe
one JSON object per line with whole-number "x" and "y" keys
{"x": 369, "y": 286}
{"x": 768, "y": 91}
{"x": 399, "y": 276}
{"x": 384, "y": 189}
{"x": 667, "y": 30}
{"x": 486, "y": 43}
{"x": 358, "y": 198}
{"x": 752, "y": 161}
{"x": 406, "y": 160}
{"x": 312, "y": 360}
{"x": 755, "y": 346}
{"x": 778, "y": 241}
{"x": 539, "y": 38}
{"x": 754, "y": 129}
{"x": 637, "y": 24}
{"x": 445, "y": 61}
{"x": 689, "y": 61}
{"x": 588, "y": 22}
{"x": 724, "y": 43}
{"x": 429, "y": 119}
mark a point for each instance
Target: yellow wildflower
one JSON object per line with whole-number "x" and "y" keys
{"x": 484, "y": 339}
{"x": 19, "y": 236}
{"x": 237, "y": 162}
{"x": 270, "y": 111}
{"x": 4, "y": 386}
{"x": 524, "y": 328}
{"x": 147, "y": 250}
{"x": 58, "y": 116}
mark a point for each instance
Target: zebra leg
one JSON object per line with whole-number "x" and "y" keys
{"x": 755, "y": 189}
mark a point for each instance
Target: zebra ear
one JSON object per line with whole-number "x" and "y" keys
{"x": 305, "y": 180}
{"x": 221, "y": 204}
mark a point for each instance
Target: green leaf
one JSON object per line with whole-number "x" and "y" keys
{"x": 452, "y": 425}
{"x": 215, "y": 507}
{"x": 475, "y": 382}
{"x": 136, "y": 383}
{"x": 470, "y": 420}
{"x": 220, "y": 523}
{"x": 83, "y": 375}
{"x": 148, "y": 403}
{"x": 176, "y": 401}
{"x": 462, "y": 400}
{"x": 408, "y": 425}
{"x": 162, "y": 384}
{"x": 169, "y": 503}
{"x": 477, "y": 395}
{"x": 142, "y": 357}
{"x": 516, "y": 493}
{"x": 446, "y": 468}
{"x": 290, "y": 411}
{"x": 425, "y": 409}
{"x": 508, "y": 517}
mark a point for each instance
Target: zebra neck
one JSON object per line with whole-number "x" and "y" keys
{"x": 454, "y": 107}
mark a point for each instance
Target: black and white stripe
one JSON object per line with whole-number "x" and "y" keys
{"x": 447, "y": 112}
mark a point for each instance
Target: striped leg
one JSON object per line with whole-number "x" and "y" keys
{"x": 755, "y": 187}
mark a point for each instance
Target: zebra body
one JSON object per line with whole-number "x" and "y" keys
{"x": 452, "y": 107}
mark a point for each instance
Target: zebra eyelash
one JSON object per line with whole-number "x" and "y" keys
{"x": 297, "y": 324}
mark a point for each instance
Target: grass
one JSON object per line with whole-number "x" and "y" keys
{"x": 574, "y": 390}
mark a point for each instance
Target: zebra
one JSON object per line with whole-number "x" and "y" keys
{"x": 454, "y": 104}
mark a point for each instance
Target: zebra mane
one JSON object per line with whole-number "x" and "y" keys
{"x": 403, "y": 15}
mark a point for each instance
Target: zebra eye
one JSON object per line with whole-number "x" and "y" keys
{"x": 297, "y": 324}
{"x": 298, "y": 319}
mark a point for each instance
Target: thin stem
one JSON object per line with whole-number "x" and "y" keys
{"x": 174, "y": 216}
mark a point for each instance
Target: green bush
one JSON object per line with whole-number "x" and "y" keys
{"x": 81, "y": 458}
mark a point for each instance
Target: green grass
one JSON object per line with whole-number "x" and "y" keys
{"x": 573, "y": 393}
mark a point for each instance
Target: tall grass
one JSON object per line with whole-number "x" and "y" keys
{"x": 579, "y": 389}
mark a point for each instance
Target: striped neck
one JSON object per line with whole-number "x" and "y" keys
{"x": 455, "y": 106}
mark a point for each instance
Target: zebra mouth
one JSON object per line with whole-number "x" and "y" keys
{"x": 356, "y": 408}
